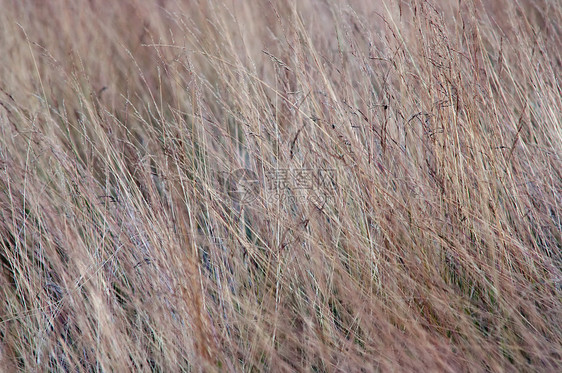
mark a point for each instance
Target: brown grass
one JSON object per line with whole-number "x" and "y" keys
{"x": 435, "y": 246}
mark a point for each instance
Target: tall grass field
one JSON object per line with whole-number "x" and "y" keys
{"x": 281, "y": 185}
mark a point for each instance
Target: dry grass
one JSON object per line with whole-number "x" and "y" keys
{"x": 435, "y": 246}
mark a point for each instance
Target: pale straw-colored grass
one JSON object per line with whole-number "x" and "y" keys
{"x": 435, "y": 246}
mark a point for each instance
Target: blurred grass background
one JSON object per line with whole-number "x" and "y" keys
{"x": 438, "y": 248}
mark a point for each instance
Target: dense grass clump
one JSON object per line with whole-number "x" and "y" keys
{"x": 280, "y": 185}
